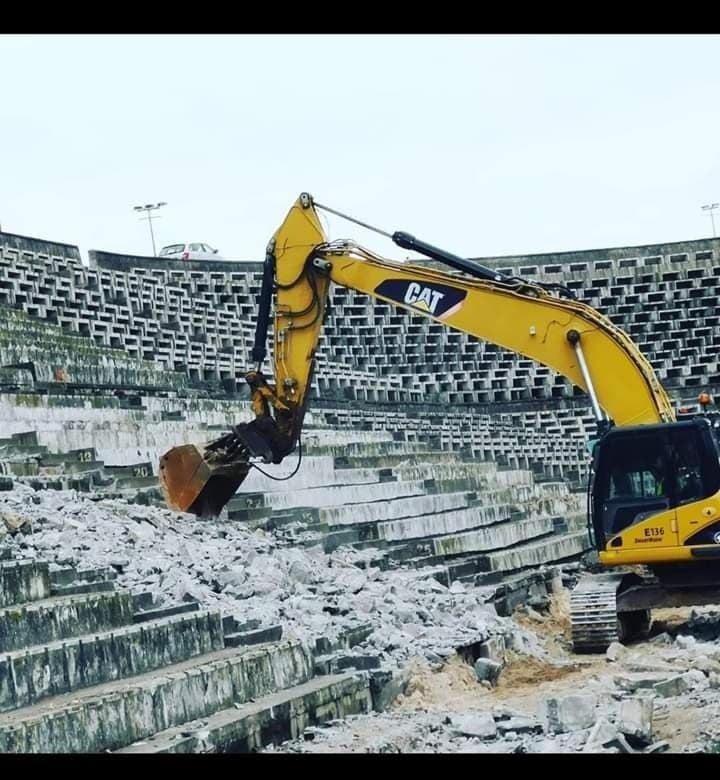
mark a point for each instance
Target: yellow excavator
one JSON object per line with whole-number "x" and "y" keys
{"x": 654, "y": 490}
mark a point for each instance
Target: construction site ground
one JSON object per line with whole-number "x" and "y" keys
{"x": 424, "y": 718}
{"x": 448, "y": 674}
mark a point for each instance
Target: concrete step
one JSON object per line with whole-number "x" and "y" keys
{"x": 117, "y": 714}
{"x": 345, "y": 494}
{"x": 35, "y": 673}
{"x": 78, "y": 588}
{"x": 62, "y": 617}
{"x": 394, "y": 459}
{"x": 505, "y": 534}
{"x": 555, "y": 548}
{"x": 444, "y": 523}
{"x": 255, "y": 637}
{"x": 23, "y": 581}
{"x": 70, "y": 575}
{"x": 81, "y": 457}
{"x": 366, "y": 449}
{"x": 156, "y": 613}
{"x": 375, "y": 511}
{"x": 270, "y": 720}
{"x": 447, "y": 468}
{"x": 497, "y": 536}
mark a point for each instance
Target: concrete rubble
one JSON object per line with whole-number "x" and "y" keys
{"x": 259, "y": 579}
{"x": 355, "y": 617}
{"x": 674, "y": 708}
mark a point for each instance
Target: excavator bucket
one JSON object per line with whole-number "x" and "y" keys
{"x": 192, "y": 483}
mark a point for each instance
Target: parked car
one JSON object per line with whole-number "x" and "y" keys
{"x": 190, "y": 252}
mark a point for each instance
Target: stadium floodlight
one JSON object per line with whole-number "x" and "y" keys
{"x": 710, "y": 207}
{"x": 148, "y": 208}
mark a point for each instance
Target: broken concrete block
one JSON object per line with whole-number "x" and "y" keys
{"x": 385, "y": 686}
{"x": 494, "y": 649}
{"x": 299, "y": 571}
{"x": 633, "y": 682}
{"x": 141, "y": 532}
{"x": 635, "y": 718}
{"x": 569, "y": 713}
{"x": 685, "y": 642}
{"x": 658, "y": 747}
{"x": 667, "y": 670}
{"x": 661, "y": 639}
{"x": 621, "y": 744}
{"x": 706, "y": 665}
{"x": 695, "y": 680}
{"x": 13, "y": 523}
{"x": 481, "y": 725}
{"x": 616, "y": 651}
{"x": 487, "y": 670}
{"x": 601, "y": 734}
{"x": 714, "y": 680}
{"x": 519, "y": 725}
{"x": 673, "y": 686}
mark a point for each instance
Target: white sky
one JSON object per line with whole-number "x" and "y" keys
{"x": 480, "y": 144}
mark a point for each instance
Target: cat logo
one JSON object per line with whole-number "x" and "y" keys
{"x": 423, "y": 297}
{"x": 436, "y": 300}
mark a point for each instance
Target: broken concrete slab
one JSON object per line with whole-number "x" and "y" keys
{"x": 601, "y": 734}
{"x": 494, "y": 649}
{"x": 673, "y": 686}
{"x": 635, "y": 718}
{"x": 519, "y": 725}
{"x": 695, "y": 680}
{"x": 616, "y": 651}
{"x": 385, "y": 686}
{"x": 487, "y": 670}
{"x": 480, "y": 725}
{"x": 658, "y": 747}
{"x": 568, "y": 713}
{"x": 635, "y": 681}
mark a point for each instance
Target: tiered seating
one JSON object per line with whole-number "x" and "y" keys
{"x": 199, "y": 322}
{"x": 89, "y": 668}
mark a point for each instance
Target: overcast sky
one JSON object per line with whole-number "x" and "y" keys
{"x": 484, "y": 145}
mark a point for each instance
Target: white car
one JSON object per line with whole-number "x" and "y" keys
{"x": 190, "y": 252}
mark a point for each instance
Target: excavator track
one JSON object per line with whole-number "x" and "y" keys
{"x": 593, "y": 613}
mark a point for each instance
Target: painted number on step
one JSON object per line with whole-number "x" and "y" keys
{"x": 140, "y": 471}
{"x": 85, "y": 455}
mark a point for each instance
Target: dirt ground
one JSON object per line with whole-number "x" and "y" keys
{"x": 525, "y": 682}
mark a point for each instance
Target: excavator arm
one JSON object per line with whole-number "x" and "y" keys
{"x": 522, "y": 316}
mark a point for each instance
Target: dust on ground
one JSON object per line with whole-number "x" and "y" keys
{"x": 524, "y": 680}
{"x": 453, "y": 686}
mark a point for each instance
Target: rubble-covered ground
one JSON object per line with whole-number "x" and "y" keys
{"x": 531, "y": 695}
{"x": 658, "y": 695}
{"x": 253, "y": 575}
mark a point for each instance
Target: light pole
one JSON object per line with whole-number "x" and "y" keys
{"x": 148, "y": 208}
{"x": 711, "y": 207}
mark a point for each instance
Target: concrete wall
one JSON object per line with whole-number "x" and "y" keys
{"x": 595, "y": 255}
{"x": 120, "y": 262}
{"x": 39, "y": 246}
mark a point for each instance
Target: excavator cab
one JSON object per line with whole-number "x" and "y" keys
{"x": 652, "y": 484}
